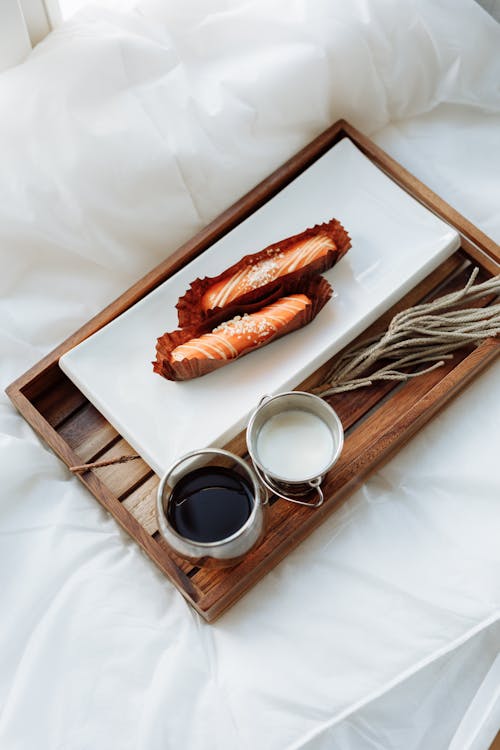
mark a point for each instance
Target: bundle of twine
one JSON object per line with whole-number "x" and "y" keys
{"x": 423, "y": 334}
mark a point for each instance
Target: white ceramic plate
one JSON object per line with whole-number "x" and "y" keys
{"x": 396, "y": 242}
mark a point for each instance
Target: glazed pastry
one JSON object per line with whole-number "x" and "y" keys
{"x": 277, "y": 263}
{"x": 190, "y": 353}
{"x": 230, "y": 339}
{"x": 263, "y": 277}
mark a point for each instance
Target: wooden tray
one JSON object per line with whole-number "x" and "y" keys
{"x": 378, "y": 420}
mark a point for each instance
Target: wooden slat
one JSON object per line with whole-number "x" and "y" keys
{"x": 184, "y": 565}
{"x": 88, "y": 433}
{"x": 122, "y": 482}
{"x": 142, "y": 504}
{"x": 59, "y": 401}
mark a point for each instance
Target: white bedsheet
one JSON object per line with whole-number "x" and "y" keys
{"x": 121, "y": 136}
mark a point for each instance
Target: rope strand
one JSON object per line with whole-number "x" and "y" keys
{"x": 428, "y": 332}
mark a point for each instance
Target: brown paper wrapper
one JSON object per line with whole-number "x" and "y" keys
{"x": 317, "y": 289}
{"x": 190, "y": 312}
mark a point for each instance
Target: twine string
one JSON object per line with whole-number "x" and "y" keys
{"x": 425, "y": 333}
{"x": 100, "y": 464}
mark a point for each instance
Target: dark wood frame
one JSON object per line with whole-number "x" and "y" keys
{"x": 378, "y": 420}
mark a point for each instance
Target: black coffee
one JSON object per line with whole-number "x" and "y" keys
{"x": 210, "y": 504}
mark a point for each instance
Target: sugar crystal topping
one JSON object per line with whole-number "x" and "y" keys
{"x": 233, "y": 336}
{"x": 261, "y": 273}
{"x": 246, "y": 325}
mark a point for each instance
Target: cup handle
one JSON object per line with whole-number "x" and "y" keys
{"x": 263, "y": 400}
{"x": 315, "y": 484}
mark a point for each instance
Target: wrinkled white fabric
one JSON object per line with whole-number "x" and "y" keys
{"x": 420, "y": 712}
{"x": 121, "y": 136}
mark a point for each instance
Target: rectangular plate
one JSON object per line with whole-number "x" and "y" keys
{"x": 396, "y": 242}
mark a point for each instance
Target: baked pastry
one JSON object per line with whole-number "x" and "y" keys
{"x": 262, "y": 297}
{"x": 259, "y": 279}
{"x": 190, "y": 353}
{"x": 232, "y": 338}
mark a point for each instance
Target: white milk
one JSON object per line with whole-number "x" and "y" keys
{"x": 295, "y": 445}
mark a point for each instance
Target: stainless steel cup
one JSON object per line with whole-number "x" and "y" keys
{"x": 222, "y": 552}
{"x": 297, "y": 400}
